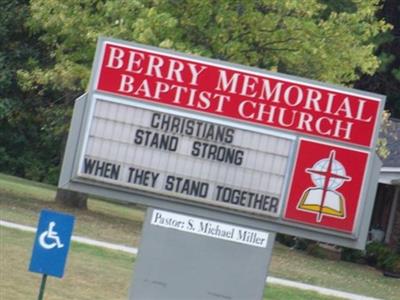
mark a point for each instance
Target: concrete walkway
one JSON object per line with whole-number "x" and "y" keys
{"x": 270, "y": 279}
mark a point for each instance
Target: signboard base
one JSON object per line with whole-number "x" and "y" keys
{"x": 188, "y": 257}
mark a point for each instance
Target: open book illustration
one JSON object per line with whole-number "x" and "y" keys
{"x": 328, "y": 175}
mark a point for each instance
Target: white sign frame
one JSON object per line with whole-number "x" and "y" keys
{"x": 77, "y": 142}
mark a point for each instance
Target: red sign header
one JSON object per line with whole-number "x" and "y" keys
{"x": 241, "y": 94}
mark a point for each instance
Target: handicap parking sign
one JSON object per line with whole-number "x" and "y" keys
{"x": 52, "y": 242}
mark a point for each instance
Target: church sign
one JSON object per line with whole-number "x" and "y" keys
{"x": 274, "y": 151}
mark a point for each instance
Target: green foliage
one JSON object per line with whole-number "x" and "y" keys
{"x": 316, "y": 251}
{"x": 386, "y": 80}
{"x": 284, "y": 239}
{"x": 316, "y": 39}
{"x": 376, "y": 254}
{"x": 71, "y": 30}
{"x": 385, "y": 128}
{"x": 47, "y": 58}
{"x": 383, "y": 257}
{"x": 352, "y": 255}
{"x": 293, "y": 241}
{"x": 392, "y": 263}
{"x": 30, "y": 146}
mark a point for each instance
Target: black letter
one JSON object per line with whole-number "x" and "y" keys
{"x": 155, "y": 120}
{"x": 195, "y": 149}
{"x": 229, "y": 135}
{"x": 239, "y": 157}
{"x": 190, "y": 225}
{"x": 89, "y": 165}
{"x": 169, "y": 184}
{"x": 139, "y": 136}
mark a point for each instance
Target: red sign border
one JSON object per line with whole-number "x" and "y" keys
{"x": 103, "y": 42}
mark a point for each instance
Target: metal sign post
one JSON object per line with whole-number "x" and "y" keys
{"x": 51, "y": 245}
{"x": 42, "y": 287}
{"x": 189, "y": 257}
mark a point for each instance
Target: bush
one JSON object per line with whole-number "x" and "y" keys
{"x": 287, "y": 240}
{"x": 353, "y": 255}
{"x": 383, "y": 257}
{"x": 293, "y": 241}
{"x": 316, "y": 251}
{"x": 392, "y": 263}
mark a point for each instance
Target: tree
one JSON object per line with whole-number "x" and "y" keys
{"x": 317, "y": 39}
{"x": 325, "y": 40}
{"x": 386, "y": 80}
{"x": 27, "y": 147}
{"x": 33, "y": 121}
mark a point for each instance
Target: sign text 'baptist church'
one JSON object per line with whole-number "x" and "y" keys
{"x": 239, "y": 94}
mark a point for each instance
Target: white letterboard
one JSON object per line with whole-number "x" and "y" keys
{"x": 182, "y": 156}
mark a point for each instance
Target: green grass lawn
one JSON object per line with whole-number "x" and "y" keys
{"x": 22, "y": 200}
{"x": 91, "y": 273}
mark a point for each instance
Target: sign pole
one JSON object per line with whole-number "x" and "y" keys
{"x": 185, "y": 256}
{"x": 51, "y": 246}
{"x": 42, "y": 287}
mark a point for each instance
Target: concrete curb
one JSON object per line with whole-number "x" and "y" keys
{"x": 78, "y": 239}
{"x": 270, "y": 279}
{"x": 320, "y": 290}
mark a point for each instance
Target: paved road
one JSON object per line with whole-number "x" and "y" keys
{"x": 270, "y": 279}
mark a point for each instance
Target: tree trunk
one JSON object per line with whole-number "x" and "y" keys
{"x": 71, "y": 198}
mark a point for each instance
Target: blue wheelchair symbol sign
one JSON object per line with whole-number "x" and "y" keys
{"x": 49, "y": 239}
{"x": 52, "y": 242}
